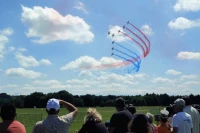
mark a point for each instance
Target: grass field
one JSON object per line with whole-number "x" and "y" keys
{"x": 30, "y": 116}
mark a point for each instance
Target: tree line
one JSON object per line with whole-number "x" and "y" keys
{"x": 39, "y": 99}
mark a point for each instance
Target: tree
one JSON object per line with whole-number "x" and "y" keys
{"x": 78, "y": 102}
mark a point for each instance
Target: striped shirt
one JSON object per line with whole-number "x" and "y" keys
{"x": 54, "y": 124}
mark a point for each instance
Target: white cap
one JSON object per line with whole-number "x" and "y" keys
{"x": 164, "y": 113}
{"x": 53, "y": 104}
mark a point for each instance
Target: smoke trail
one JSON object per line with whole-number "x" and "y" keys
{"x": 137, "y": 66}
{"x": 139, "y": 60}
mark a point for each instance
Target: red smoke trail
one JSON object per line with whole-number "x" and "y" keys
{"x": 149, "y": 43}
{"x": 135, "y": 42}
{"x": 145, "y": 52}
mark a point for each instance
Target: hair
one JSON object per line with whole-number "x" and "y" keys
{"x": 131, "y": 109}
{"x": 52, "y": 111}
{"x": 119, "y": 102}
{"x": 8, "y": 112}
{"x": 149, "y": 117}
{"x": 187, "y": 100}
{"x": 139, "y": 124}
{"x": 163, "y": 119}
{"x": 170, "y": 110}
{"x": 92, "y": 115}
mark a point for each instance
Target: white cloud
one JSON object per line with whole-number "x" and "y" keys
{"x": 21, "y": 72}
{"x": 118, "y": 37}
{"x": 147, "y": 29}
{"x": 3, "y": 41}
{"x": 173, "y": 72}
{"x": 85, "y": 73}
{"x": 30, "y": 61}
{"x": 45, "y": 62}
{"x": 11, "y": 49}
{"x": 184, "y": 77}
{"x": 182, "y": 23}
{"x": 21, "y": 50}
{"x": 187, "y": 5}
{"x": 161, "y": 80}
{"x": 141, "y": 75}
{"x": 46, "y": 82}
{"x": 86, "y": 62}
{"x": 81, "y": 6}
{"x": 26, "y": 61}
{"x": 188, "y": 55}
{"x": 53, "y": 26}
{"x": 9, "y": 86}
{"x": 7, "y": 31}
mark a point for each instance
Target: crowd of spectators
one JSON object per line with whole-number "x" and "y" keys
{"x": 179, "y": 117}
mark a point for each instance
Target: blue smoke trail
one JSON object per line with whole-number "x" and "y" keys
{"x": 137, "y": 66}
{"x": 127, "y": 55}
{"x": 139, "y": 61}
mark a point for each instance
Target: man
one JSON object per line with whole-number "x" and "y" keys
{"x": 194, "y": 114}
{"x": 54, "y": 123}
{"x": 9, "y": 124}
{"x": 119, "y": 120}
{"x": 181, "y": 121}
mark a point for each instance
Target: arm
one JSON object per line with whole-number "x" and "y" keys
{"x": 175, "y": 129}
{"x": 113, "y": 124}
{"x": 71, "y": 108}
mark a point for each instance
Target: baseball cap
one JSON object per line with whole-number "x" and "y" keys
{"x": 53, "y": 104}
{"x": 164, "y": 113}
{"x": 179, "y": 103}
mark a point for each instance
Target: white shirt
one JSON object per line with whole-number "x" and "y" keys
{"x": 54, "y": 124}
{"x": 195, "y": 117}
{"x": 183, "y": 122}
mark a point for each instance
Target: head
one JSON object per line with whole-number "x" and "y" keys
{"x": 179, "y": 105}
{"x": 170, "y": 110}
{"x": 139, "y": 124}
{"x": 187, "y": 100}
{"x": 53, "y": 107}
{"x": 92, "y": 115}
{"x": 131, "y": 109}
{"x": 164, "y": 115}
{"x": 8, "y": 112}
{"x": 149, "y": 118}
{"x": 119, "y": 104}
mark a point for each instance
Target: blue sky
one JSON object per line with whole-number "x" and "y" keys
{"x": 59, "y": 45}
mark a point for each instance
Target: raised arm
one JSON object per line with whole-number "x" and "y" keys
{"x": 71, "y": 108}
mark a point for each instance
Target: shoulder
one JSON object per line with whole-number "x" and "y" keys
{"x": 18, "y": 123}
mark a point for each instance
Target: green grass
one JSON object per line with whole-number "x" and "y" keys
{"x": 30, "y": 116}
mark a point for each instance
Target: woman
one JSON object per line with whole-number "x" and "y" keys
{"x": 93, "y": 123}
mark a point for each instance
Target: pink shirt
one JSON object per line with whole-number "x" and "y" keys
{"x": 12, "y": 127}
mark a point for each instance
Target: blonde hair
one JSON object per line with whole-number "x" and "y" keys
{"x": 92, "y": 113}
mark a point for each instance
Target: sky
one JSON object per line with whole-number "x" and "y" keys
{"x": 48, "y": 46}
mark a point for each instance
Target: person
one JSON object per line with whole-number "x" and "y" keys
{"x": 93, "y": 123}
{"x": 150, "y": 121}
{"x": 54, "y": 123}
{"x": 139, "y": 124}
{"x": 164, "y": 126}
{"x": 120, "y": 119}
{"x": 171, "y": 113}
{"x": 131, "y": 108}
{"x": 194, "y": 114}
{"x": 181, "y": 121}
{"x": 9, "y": 124}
